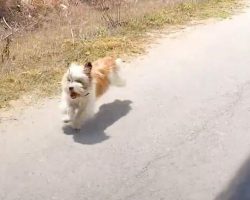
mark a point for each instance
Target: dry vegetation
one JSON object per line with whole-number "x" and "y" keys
{"x": 38, "y": 38}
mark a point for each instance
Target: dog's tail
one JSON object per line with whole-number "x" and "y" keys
{"x": 119, "y": 62}
{"x": 115, "y": 77}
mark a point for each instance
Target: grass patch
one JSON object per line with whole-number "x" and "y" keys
{"x": 39, "y": 59}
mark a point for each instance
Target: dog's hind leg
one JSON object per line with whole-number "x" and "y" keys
{"x": 115, "y": 76}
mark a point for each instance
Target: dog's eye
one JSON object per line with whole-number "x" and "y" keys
{"x": 68, "y": 79}
{"x": 79, "y": 81}
{"x": 84, "y": 85}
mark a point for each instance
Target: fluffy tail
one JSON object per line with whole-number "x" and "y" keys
{"x": 115, "y": 77}
{"x": 119, "y": 62}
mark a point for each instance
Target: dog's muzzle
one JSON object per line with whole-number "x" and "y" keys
{"x": 74, "y": 95}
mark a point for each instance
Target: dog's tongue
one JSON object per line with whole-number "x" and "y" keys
{"x": 73, "y": 95}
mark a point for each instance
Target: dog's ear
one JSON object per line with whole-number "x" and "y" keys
{"x": 88, "y": 68}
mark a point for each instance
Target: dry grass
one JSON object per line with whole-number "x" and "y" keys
{"x": 38, "y": 58}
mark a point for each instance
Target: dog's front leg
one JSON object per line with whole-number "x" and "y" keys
{"x": 78, "y": 120}
{"x": 68, "y": 114}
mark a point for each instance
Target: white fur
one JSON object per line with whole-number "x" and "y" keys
{"x": 76, "y": 111}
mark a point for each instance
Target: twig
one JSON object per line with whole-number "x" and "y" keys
{"x": 7, "y": 24}
{"x": 4, "y": 38}
{"x": 72, "y": 35}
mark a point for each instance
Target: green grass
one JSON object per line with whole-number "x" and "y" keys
{"x": 40, "y": 61}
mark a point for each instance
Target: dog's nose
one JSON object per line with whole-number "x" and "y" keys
{"x": 71, "y": 88}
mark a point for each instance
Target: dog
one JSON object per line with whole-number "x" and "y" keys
{"x": 82, "y": 85}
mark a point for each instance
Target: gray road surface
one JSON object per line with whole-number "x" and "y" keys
{"x": 180, "y": 130}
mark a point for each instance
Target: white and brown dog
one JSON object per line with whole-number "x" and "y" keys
{"x": 82, "y": 85}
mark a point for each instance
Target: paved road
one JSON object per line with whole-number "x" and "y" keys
{"x": 180, "y": 130}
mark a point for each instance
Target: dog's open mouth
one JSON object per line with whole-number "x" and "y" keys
{"x": 74, "y": 95}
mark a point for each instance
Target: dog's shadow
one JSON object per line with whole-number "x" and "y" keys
{"x": 94, "y": 130}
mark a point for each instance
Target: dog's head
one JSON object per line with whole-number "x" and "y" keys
{"x": 77, "y": 80}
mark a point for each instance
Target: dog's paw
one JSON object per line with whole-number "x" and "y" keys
{"x": 66, "y": 119}
{"x": 121, "y": 83}
{"x": 76, "y": 126}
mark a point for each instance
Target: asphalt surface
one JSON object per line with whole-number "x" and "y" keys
{"x": 179, "y": 130}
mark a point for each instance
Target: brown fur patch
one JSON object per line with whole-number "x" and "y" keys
{"x": 100, "y": 73}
